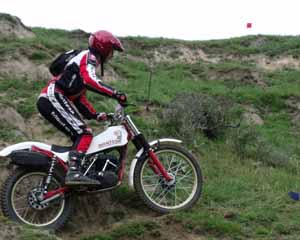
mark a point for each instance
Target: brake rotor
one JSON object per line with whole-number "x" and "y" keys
{"x": 35, "y": 196}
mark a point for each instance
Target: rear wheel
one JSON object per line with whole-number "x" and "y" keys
{"x": 180, "y": 193}
{"x": 20, "y": 200}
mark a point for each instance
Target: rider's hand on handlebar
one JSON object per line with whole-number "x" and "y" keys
{"x": 121, "y": 97}
{"x": 101, "y": 116}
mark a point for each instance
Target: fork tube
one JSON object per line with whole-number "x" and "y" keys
{"x": 140, "y": 141}
{"x": 159, "y": 165}
{"x": 132, "y": 125}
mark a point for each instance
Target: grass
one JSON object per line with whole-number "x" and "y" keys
{"x": 135, "y": 230}
{"x": 243, "y": 198}
{"x": 261, "y": 44}
{"x": 21, "y": 94}
{"x": 253, "y": 196}
{"x": 27, "y": 233}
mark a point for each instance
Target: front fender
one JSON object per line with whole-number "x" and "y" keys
{"x": 141, "y": 151}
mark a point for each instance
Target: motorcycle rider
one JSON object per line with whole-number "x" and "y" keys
{"x": 65, "y": 96}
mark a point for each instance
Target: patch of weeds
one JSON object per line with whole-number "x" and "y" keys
{"x": 127, "y": 197}
{"x": 247, "y": 142}
{"x": 208, "y": 223}
{"x": 130, "y": 231}
{"x": 39, "y": 56}
{"x": 10, "y": 133}
{"x": 190, "y": 113}
{"x": 28, "y": 233}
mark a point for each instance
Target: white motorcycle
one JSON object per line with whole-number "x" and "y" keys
{"x": 165, "y": 175}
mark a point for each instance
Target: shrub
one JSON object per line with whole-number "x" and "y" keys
{"x": 190, "y": 113}
{"x": 247, "y": 142}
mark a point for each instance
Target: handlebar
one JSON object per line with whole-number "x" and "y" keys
{"x": 119, "y": 114}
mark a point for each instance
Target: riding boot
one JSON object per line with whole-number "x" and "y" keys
{"x": 74, "y": 175}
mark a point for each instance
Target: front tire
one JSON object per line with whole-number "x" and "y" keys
{"x": 165, "y": 197}
{"x": 17, "y": 204}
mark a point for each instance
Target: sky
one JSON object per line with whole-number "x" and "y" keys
{"x": 179, "y": 19}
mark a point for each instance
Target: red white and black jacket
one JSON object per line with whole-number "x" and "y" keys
{"x": 78, "y": 76}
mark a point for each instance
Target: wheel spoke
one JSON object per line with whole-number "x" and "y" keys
{"x": 31, "y": 183}
{"x": 149, "y": 185}
{"x": 167, "y": 194}
{"x": 170, "y": 164}
{"x": 33, "y": 216}
{"x": 20, "y": 198}
{"x": 155, "y": 188}
{"x": 22, "y": 208}
{"x": 26, "y": 212}
{"x": 176, "y": 167}
{"x": 183, "y": 177}
{"x": 163, "y": 193}
{"x": 175, "y": 195}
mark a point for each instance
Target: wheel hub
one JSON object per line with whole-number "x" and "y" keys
{"x": 35, "y": 196}
{"x": 168, "y": 184}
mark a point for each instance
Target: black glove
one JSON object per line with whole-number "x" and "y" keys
{"x": 121, "y": 97}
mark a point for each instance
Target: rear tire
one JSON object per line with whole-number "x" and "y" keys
{"x": 160, "y": 195}
{"x": 9, "y": 191}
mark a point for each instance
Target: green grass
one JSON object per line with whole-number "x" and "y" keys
{"x": 261, "y": 44}
{"x": 136, "y": 230}
{"x": 255, "y": 196}
{"x": 27, "y": 233}
{"x": 21, "y": 94}
{"x": 252, "y": 190}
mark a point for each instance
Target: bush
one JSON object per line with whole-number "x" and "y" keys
{"x": 189, "y": 114}
{"x": 247, "y": 142}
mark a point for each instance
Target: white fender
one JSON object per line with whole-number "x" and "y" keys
{"x": 27, "y": 145}
{"x": 140, "y": 152}
{"x": 21, "y": 146}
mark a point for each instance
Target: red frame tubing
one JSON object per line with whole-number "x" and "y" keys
{"x": 158, "y": 164}
{"x": 121, "y": 171}
{"x": 43, "y": 151}
{"x": 50, "y": 154}
{"x": 60, "y": 190}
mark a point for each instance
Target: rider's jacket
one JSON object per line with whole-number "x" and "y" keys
{"x": 78, "y": 76}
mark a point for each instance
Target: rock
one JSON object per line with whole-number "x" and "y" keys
{"x": 21, "y": 67}
{"x": 229, "y": 215}
{"x": 11, "y": 117}
{"x": 12, "y": 27}
{"x": 251, "y": 116}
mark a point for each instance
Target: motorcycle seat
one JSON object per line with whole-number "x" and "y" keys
{"x": 60, "y": 149}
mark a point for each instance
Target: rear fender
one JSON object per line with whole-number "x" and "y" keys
{"x": 28, "y": 145}
{"x": 26, "y": 158}
{"x": 141, "y": 152}
{"x": 23, "y": 146}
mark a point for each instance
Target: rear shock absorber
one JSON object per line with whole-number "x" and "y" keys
{"x": 50, "y": 173}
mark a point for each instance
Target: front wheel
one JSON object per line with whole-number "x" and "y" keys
{"x": 180, "y": 193}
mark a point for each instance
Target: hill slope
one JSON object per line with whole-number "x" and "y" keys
{"x": 248, "y": 171}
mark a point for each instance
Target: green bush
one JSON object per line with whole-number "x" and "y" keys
{"x": 190, "y": 113}
{"x": 247, "y": 143}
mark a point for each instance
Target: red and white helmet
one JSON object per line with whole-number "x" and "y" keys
{"x": 102, "y": 43}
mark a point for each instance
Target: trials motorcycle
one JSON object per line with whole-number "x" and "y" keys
{"x": 165, "y": 175}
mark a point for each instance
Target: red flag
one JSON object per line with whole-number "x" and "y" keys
{"x": 249, "y": 25}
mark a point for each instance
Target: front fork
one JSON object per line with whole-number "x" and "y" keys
{"x": 140, "y": 142}
{"x": 157, "y": 166}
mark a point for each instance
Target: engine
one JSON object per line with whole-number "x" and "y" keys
{"x": 106, "y": 162}
{"x": 103, "y": 167}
